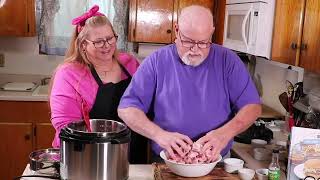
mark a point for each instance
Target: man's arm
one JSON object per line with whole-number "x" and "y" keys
{"x": 219, "y": 138}
{"x": 139, "y": 122}
{"x": 242, "y": 121}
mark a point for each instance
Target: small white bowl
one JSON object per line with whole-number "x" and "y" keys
{"x": 262, "y": 154}
{"x": 258, "y": 143}
{"x": 189, "y": 170}
{"x": 246, "y": 174}
{"x": 232, "y": 165}
{"x": 262, "y": 174}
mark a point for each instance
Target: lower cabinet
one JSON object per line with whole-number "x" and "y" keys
{"x": 16, "y": 144}
{"x": 44, "y": 135}
{"x": 24, "y": 127}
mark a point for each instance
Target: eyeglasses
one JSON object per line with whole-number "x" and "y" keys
{"x": 101, "y": 43}
{"x": 190, "y": 44}
{"x": 311, "y": 178}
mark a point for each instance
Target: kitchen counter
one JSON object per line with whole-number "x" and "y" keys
{"x": 20, "y": 95}
{"x": 245, "y": 152}
{"x": 136, "y": 172}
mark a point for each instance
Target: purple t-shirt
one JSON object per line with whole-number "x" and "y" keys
{"x": 191, "y": 100}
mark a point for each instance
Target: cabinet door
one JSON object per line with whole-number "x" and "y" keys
{"x": 16, "y": 145}
{"x": 310, "y": 49}
{"x": 17, "y": 18}
{"x": 152, "y": 21}
{"x": 286, "y": 30}
{"x": 180, "y": 4}
{"x": 44, "y": 135}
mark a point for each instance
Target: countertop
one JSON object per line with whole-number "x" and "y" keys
{"x": 245, "y": 152}
{"x": 145, "y": 171}
{"x": 20, "y": 95}
{"x": 136, "y": 172}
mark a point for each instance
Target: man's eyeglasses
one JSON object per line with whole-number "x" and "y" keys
{"x": 190, "y": 44}
{"x": 311, "y": 178}
{"x": 101, "y": 43}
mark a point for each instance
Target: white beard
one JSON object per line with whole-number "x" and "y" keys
{"x": 192, "y": 61}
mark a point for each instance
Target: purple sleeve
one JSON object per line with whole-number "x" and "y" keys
{"x": 242, "y": 90}
{"x": 140, "y": 91}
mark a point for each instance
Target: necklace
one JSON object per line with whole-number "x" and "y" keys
{"x": 106, "y": 71}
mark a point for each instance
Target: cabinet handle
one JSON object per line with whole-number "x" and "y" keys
{"x": 27, "y": 137}
{"x": 169, "y": 31}
{"x": 303, "y": 46}
{"x": 294, "y": 46}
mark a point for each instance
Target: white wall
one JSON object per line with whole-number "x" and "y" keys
{"x": 22, "y": 57}
{"x": 272, "y": 77}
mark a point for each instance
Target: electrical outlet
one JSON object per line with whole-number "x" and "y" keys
{"x": 1, "y": 60}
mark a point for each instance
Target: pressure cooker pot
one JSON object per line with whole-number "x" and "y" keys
{"x": 100, "y": 154}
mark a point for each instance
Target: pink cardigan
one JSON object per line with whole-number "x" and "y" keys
{"x": 72, "y": 84}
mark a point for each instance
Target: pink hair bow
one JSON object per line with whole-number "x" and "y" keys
{"x": 79, "y": 21}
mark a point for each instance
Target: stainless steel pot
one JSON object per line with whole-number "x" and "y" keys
{"x": 45, "y": 161}
{"x": 101, "y": 154}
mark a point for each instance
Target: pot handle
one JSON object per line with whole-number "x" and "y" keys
{"x": 115, "y": 141}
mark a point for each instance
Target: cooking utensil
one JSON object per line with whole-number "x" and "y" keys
{"x": 283, "y": 97}
{"x": 45, "y": 161}
{"x": 85, "y": 113}
{"x": 99, "y": 154}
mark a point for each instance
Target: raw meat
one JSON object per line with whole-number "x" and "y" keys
{"x": 194, "y": 155}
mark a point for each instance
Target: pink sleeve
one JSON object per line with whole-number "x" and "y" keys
{"x": 64, "y": 102}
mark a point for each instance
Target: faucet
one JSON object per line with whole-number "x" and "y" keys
{"x": 45, "y": 81}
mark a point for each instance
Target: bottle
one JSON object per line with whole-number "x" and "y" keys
{"x": 274, "y": 168}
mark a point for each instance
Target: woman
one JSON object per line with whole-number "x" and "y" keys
{"x": 93, "y": 77}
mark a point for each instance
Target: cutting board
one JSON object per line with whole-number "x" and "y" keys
{"x": 162, "y": 172}
{"x": 19, "y": 86}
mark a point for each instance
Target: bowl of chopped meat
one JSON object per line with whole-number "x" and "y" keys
{"x": 194, "y": 163}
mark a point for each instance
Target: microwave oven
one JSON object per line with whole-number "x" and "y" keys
{"x": 248, "y": 26}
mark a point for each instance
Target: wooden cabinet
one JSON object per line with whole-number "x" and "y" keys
{"x": 44, "y": 135}
{"x": 17, "y": 18}
{"x": 24, "y": 127}
{"x": 152, "y": 21}
{"x": 296, "y": 32}
{"x": 16, "y": 140}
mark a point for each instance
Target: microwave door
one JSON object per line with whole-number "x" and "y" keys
{"x": 237, "y": 24}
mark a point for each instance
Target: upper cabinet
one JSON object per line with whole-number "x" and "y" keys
{"x": 296, "y": 32}
{"x": 152, "y": 21}
{"x": 17, "y": 18}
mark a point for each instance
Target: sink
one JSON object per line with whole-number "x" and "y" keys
{"x": 41, "y": 91}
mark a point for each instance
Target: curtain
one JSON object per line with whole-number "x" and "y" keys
{"x": 120, "y": 24}
{"x": 54, "y": 21}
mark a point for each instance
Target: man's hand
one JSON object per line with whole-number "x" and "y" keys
{"x": 173, "y": 142}
{"x": 214, "y": 141}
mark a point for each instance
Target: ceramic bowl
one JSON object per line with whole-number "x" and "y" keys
{"x": 262, "y": 174}
{"x": 232, "y": 165}
{"x": 258, "y": 143}
{"x": 189, "y": 170}
{"x": 246, "y": 174}
{"x": 262, "y": 154}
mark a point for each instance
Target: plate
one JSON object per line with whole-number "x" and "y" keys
{"x": 298, "y": 171}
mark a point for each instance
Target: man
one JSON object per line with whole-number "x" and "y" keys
{"x": 194, "y": 88}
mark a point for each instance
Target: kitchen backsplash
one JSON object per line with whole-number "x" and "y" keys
{"x": 271, "y": 78}
{"x": 22, "y": 57}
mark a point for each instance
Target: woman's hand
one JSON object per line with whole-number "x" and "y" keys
{"x": 173, "y": 142}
